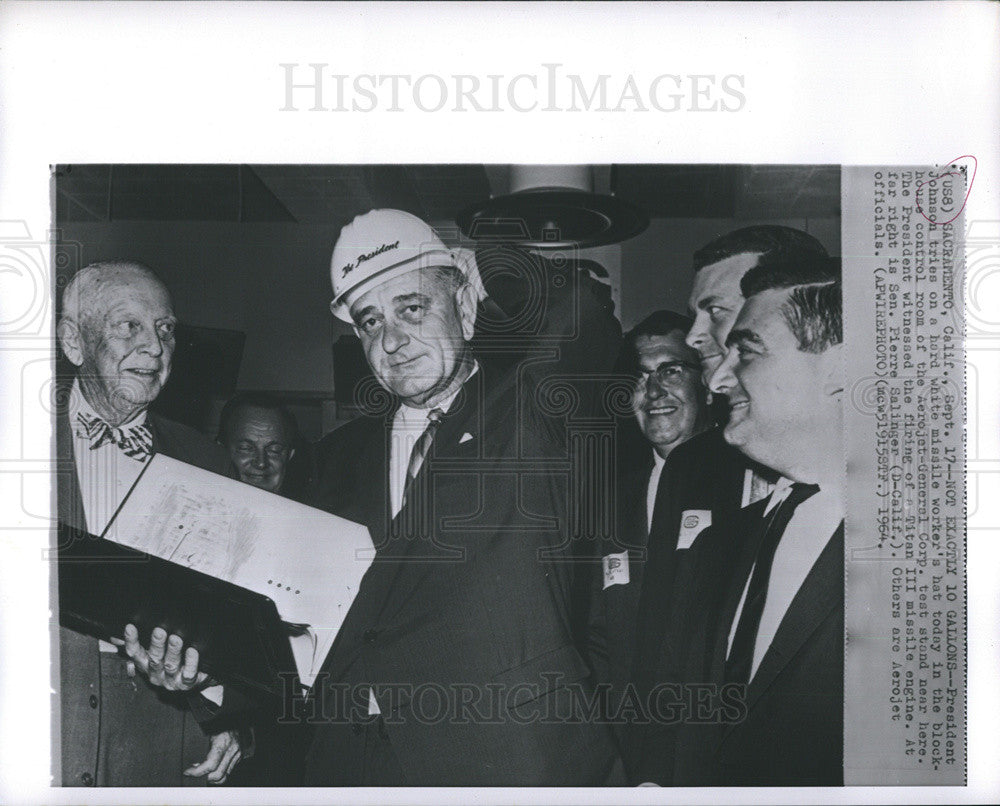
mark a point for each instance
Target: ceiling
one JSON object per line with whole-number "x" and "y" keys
{"x": 334, "y": 194}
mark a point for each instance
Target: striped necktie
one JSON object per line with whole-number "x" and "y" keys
{"x": 421, "y": 448}
{"x": 135, "y": 441}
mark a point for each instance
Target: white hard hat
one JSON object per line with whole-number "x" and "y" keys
{"x": 378, "y": 246}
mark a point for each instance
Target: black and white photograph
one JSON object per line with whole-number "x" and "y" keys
{"x": 416, "y": 440}
{"x": 500, "y": 412}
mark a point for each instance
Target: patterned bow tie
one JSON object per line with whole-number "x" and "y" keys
{"x": 135, "y": 441}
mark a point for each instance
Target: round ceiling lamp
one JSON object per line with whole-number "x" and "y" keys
{"x": 552, "y": 207}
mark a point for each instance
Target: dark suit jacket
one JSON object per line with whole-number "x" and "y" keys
{"x": 703, "y": 473}
{"x": 116, "y": 730}
{"x": 614, "y": 609}
{"x": 787, "y": 730}
{"x": 470, "y": 592}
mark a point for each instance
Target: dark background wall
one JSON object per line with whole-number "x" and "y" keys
{"x": 269, "y": 279}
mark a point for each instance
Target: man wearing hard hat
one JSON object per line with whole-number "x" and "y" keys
{"x": 456, "y": 656}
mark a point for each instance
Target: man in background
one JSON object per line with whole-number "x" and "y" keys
{"x": 261, "y": 435}
{"x": 769, "y": 626}
{"x": 706, "y": 480}
{"x": 669, "y": 407}
{"x": 117, "y": 330}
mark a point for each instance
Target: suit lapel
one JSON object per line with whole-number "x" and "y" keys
{"x": 632, "y": 489}
{"x": 397, "y": 567}
{"x": 751, "y": 523}
{"x": 370, "y": 493}
{"x": 69, "y": 499}
{"x": 821, "y": 592}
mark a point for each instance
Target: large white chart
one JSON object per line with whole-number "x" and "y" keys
{"x": 310, "y": 563}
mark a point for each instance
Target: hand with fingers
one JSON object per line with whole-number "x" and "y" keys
{"x": 166, "y": 663}
{"x": 223, "y": 755}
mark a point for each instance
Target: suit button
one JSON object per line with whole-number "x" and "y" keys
{"x": 87, "y": 778}
{"x": 93, "y": 700}
{"x": 356, "y": 728}
{"x": 370, "y": 636}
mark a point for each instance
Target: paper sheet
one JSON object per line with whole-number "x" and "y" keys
{"x": 310, "y": 563}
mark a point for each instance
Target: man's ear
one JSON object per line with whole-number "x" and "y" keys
{"x": 70, "y": 340}
{"x": 833, "y": 370}
{"x": 467, "y": 302}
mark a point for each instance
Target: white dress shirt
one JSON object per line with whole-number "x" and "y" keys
{"x": 654, "y": 485}
{"x": 106, "y": 474}
{"x": 810, "y": 529}
{"x": 407, "y": 426}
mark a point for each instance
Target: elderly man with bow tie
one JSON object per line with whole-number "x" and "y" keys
{"x": 117, "y": 329}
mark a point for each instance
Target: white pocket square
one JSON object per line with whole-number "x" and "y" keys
{"x": 465, "y": 438}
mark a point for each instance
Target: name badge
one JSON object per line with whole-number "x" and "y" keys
{"x": 693, "y": 522}
{"x": 615, "y": 569}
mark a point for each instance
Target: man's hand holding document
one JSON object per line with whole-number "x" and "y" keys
{"x": 310, "y": 563}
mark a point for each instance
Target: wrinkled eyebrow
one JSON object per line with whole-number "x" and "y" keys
{"x": 358, "y": 315}
{"x": 744, "y": 335}
{"x": 416, "y": 296}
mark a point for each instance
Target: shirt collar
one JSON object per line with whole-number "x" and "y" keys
{"x": 782, "y": 488}
{"x": 658, "y": 461}
{"x": 78, "y": 405}
{"x": 412, "y": 417}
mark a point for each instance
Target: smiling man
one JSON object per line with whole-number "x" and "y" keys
{"x": 709, "y": 479}
{"x": 669, "y": 401}
{"x": 117, "y": 329}
{"x": 762, "y": 606}
{"x": 260, "y": 435}
{"x": 773, "y": 621}
{"x": 706, "y": 480}
{"x": 669, "y": 407}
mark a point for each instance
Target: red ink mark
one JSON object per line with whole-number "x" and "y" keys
{"x": 968, "y": 190}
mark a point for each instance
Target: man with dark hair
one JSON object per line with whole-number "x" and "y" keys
{"x": 768, "y": 625}
{"x": 706, "y": 480}
{"x": 669, "y": 406}
{"x": 260, "y": 435}
{"x": 716, "y": 298}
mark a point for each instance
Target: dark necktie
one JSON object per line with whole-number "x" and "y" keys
{"x": 740, "y": 659}
{"x": 420, "y": 449}
{"x": 136, "y": 441}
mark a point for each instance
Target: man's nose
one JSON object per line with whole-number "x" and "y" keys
{"x": 654, "y": 390}
{"x": 393, "y": 338}
{"x": 260, "y": 459}
{"x": 723, "y": 380}
{"x": 696, "y": 335}
{"x": 149, "y": 342}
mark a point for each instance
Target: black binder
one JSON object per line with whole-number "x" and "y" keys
{"x": 239, "y": 636}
